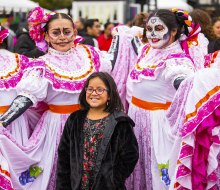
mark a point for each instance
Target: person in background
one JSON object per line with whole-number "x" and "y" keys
{"x": 11, "y": 36}
{"x": 100, "y": 137}
{"x": 80, "y": 26}
{"x": 216, "y": 26}
{"x": 140, "y": 21}
{"x": 25, "y": 45}
{"x": 105, "y": 39}
{"x": 203, "y": 18}
{"x": 92, "y": 27}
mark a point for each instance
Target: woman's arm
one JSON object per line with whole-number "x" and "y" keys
{"x": 31, "y": 89}
{"x": 177, "y": 82}
{"x": 19, "y": 105}
{"x": 113, "y": 50}
{"x": 136, "y": 44}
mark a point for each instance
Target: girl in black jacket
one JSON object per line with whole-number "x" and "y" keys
{"x": 98, "y": 149}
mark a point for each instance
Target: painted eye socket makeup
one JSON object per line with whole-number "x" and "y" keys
{"x": 57, "y": 32}
{"x": 157, "y": 33}
{"x": 159, "y": 28}
{"x": 148, "y": 28}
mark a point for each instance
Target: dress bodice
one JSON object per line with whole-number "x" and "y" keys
{"x": 58, "y": 77}
{"x": 153, "y": 76}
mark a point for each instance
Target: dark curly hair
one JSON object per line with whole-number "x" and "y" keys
{"x": 140, "y": 20}
{"x": 201, "y": 17}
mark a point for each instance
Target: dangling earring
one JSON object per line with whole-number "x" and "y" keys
{"x": 107, "y": 103}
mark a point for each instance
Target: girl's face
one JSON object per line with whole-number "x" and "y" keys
{"x": 216, "y": 28}
{"x": 60, "y": 34}
{"x": 158, "y": 34}
{"x": 97, "y": 94}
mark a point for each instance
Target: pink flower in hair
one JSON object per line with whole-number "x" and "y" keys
{"x": 37, "y": 20}
{"x": 36, "y": 15}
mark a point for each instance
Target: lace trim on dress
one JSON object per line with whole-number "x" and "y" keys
{"x": 73, "y": 81}
{"x": 12, "y": 70}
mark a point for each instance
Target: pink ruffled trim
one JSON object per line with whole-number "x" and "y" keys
{"x": 206, "y": 110}
{"x": 5, "y": 184}
{"x": 72, "y": 86}
{"x": 67, "y": 85}
{"x": 204, "y": 140}
{"x": 200, "y": 128}
{"x": 12, "y": 80}
{"x": 210, "y": 58}
{"x": 152, "y": 73}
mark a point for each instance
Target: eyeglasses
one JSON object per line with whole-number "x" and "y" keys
{"x": 98, "y": 91}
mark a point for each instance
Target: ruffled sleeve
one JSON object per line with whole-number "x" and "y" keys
{"x": 178, "y": 68}
{"x": 105, "y": 63}
{"x": 33, "y": 85}
{"x": 198, "y": 52}
{"x": 125, "y": 60}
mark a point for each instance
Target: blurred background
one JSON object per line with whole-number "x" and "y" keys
{"x": 13, "y": 13}
{"x": 113, "y": 10}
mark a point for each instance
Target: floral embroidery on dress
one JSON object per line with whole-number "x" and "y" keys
{"x": 70, "y": 77}
{"x": 12, "y": 70}
{"x": 30, "y": 175}
{"x": 93, "y": 134}
{"x": 163, "y": 168}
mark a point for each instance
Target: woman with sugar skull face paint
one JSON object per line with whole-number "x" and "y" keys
{"x": 158, "y": 33}
{"x": 162, "y": 65}
{"x": 56, "y": 79}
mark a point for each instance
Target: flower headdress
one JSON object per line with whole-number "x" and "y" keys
{"x": 37, "y": 19}
{"x": 3, "y": 34}
{"x": 191, "y": 30}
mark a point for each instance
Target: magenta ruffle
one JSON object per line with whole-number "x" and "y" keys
{"x": 152, "y": 73}
{"x": 60, "y": 84}
{"x": 200, "y": 127}
{"x": 204, "y": 140}
{"x": 72, "y": 85}
{"x": 5, "y": 183}
{"x": 12, "y": 81}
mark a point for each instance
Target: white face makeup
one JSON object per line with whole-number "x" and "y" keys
{"x": 157, "y": 33}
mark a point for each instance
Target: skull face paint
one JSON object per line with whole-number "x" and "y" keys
{"x": 60, "y": 34}
{"x": 157, "y": 33}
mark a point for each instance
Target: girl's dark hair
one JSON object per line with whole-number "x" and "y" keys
{"x": 59, "y": 16}
{"x": 114, "y": 102}
{"x": 171, "y": 20}
{"x": 203, "y": 18}
{"x": 4, "y": 44}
